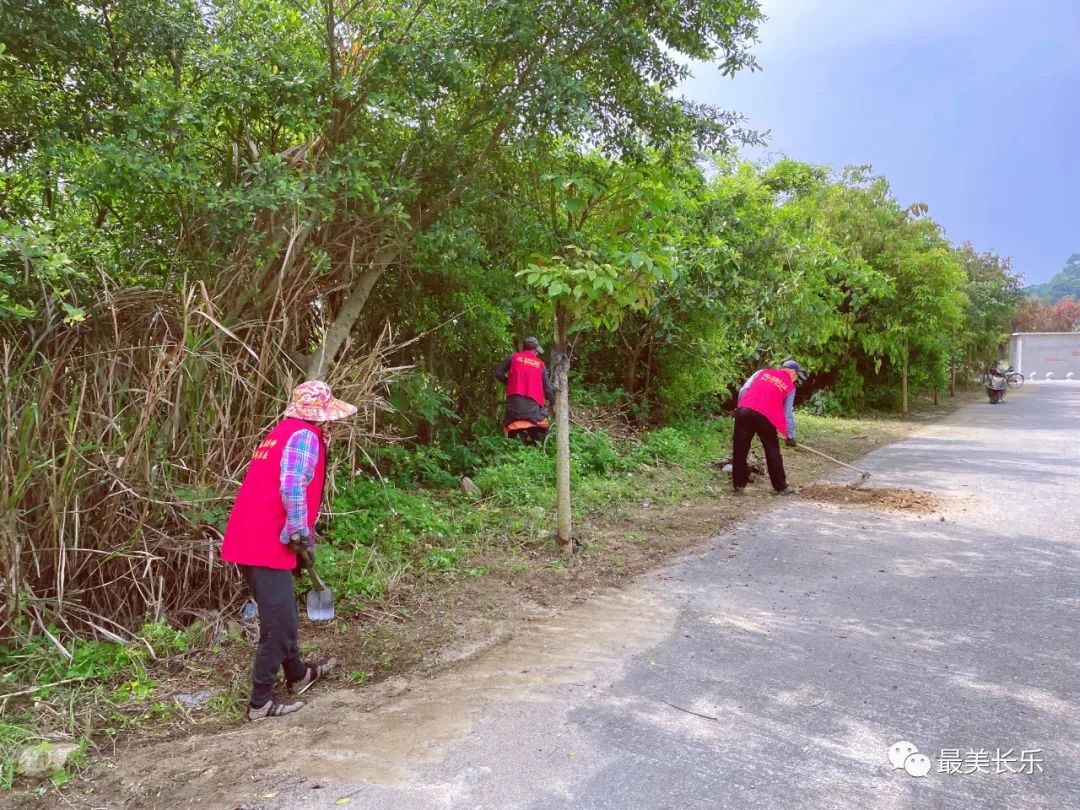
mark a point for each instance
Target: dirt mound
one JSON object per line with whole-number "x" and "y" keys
{"x": 907, "y": 500}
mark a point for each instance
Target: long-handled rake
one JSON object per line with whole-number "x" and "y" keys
{"x": 863, "y": 474}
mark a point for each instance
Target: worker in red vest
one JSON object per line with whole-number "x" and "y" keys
{"x": 766, "y": 408}
{"x": 275, "y": 510}
{"x": 528, "y": 389}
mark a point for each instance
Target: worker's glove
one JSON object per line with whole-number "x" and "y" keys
{"x": 790, "y": 442}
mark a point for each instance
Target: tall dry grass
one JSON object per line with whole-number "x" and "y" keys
{"x": 124, "y": 438}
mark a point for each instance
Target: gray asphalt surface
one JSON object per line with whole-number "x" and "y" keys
{"x": 811, "y": 639}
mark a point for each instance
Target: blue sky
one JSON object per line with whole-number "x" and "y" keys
{"x": 972, "y": 106}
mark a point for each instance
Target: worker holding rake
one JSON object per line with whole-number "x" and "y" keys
{"x": 766, "y": 409}
{"x": 271, "y": 523}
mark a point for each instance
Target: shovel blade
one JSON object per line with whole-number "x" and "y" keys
{"x": 859, "y": 481}
{"x": 320, "y": 605}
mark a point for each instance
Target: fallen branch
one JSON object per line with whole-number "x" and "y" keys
{"x": 696, "y": 714}
{"x": 43, "y": 686}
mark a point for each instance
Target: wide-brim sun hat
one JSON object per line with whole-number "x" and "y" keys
{"x": 313, "y": 401}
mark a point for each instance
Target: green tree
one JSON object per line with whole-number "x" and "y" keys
{"x": 760, "y": 277}
{"x": 994, "y": 298}
{"x": 610, "y": 224}
{"x": 913, "y": 329}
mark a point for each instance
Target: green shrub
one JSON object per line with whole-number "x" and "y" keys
{"x": 823, "y": 403}
{"x": 666, "y": 444}
{"x": 849, "y": 388}
{"x": 421, "y": 404}
{"x": 163, "y": 639}
{"x": 594, "y": 453}
{"x": 523, "y": 475}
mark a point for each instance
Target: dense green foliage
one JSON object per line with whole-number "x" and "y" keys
{"x": 403, "y": 163}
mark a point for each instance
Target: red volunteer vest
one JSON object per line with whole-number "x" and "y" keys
{"x": 253, "y": 534}
{"x": 526, "y": 377}
{"x": 766, "y": 395}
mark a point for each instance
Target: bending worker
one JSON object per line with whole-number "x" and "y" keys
{"x": 274, "y": 513}
{"x": 528, "y": 389}
{"x": 766, "y": 408}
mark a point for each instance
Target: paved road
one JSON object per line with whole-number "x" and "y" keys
{"x": 775, "y": 668}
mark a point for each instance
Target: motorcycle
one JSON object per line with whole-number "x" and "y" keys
{"x": 995, "y": 382}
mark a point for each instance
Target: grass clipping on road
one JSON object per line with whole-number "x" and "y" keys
{"x": 424, "y": 575}
{"x": 874, "y": 497}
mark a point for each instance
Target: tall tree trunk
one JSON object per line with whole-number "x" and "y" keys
{"x": 646, "y": 388}
{"x": 903, "y": 384}
{"x": 564, "y": 529}
{"x": 320, "y": 360}
{"x": 952, "y": 379}
{"x": 640, "y": 351}
{"x": 630, "y": 380}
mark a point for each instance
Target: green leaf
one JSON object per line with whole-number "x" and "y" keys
{"x": 60, "y": 778}
{"x": 74, "y": 314}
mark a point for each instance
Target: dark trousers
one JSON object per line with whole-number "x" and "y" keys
{"x": 519, "y": 407}
{"x": 279, "y": 628}
{"x": 749, "y": 422}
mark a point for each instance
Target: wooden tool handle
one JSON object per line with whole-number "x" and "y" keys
{"x": 305, "y": 562}
{"x": 833, "y": 460}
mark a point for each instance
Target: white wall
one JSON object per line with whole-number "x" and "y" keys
{"x": 1035, "y": 354}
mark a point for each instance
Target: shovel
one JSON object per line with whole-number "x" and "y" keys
{"x": 863, "y": 474}
{"x": 320, "y": 599}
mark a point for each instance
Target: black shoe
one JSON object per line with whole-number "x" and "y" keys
{"x": 738, "y": 491}
{"x": 785, "y": 491}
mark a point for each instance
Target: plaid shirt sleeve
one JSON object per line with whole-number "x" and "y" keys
{"x": 789, "y": 413}
{"x": 298, "y": 462}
